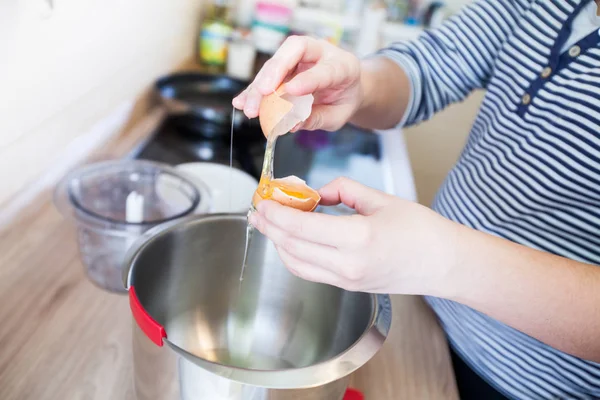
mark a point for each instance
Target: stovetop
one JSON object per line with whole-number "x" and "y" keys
{"x": 174, "y": 144}
{"x": 315, "y": 156}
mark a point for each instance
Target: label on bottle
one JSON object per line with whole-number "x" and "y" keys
{"x": 213, "y": 43}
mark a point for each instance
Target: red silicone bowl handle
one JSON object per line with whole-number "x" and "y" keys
{"x": 147, "y": 324}
{"x": 353, "y": 394}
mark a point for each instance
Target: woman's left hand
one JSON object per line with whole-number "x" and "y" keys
{"x": 395, "y": 246}
{"x": 390, "y": 246}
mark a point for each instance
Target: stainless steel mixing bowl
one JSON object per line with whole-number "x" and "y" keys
{"x": 271, "y": 336}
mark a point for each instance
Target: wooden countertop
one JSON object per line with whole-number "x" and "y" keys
{"x": 63, "y": 338}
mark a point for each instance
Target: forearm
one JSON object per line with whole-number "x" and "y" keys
{"x": 554, "y": 299}
{"x": 385, "y": 94}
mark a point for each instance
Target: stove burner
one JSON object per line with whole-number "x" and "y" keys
{"x": 175, "y": 143}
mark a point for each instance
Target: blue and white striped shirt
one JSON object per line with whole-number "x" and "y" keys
{"x": 530, "y": 171}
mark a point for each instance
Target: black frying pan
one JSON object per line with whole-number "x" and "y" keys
{"x": 201, "y": 102}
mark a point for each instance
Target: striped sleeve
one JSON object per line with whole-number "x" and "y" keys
{"x": 446, "y": 64}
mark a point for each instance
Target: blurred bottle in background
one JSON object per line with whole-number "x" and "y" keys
{"x": 214, "y": 36}
{"x": 241, "y": 55}
{"x": 374, "y": 16}
{"x": 270, "y": 27}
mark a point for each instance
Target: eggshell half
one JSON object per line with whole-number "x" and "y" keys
{"x": 280, "y": 112}
{"x": 304, "y": 204}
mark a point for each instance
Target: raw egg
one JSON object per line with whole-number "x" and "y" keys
{"x": 279, "y": 113}
{"x": 290, "y": 191}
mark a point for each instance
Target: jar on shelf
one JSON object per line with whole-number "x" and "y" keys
{"x": 214, "y": 36}
{"x": 271, "y": 26}
{"x": 241, "y": 55}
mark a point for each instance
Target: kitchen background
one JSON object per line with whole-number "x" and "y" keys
{"x": 75, "y": 73}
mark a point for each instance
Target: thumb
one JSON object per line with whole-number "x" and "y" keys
{"x": 363, "y": 199}
{"x": 314, "y": 121}
{"x": 321, "y": 117}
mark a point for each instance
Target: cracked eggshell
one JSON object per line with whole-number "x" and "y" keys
{"x": 309, "y": 202}
{"x": 280, "y": 112}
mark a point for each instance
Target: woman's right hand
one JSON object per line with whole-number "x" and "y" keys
{"x": 310, "y": 66}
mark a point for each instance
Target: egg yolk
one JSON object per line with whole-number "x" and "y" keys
{"x": 266, "y": 187}
{"x": 289, "y": 192}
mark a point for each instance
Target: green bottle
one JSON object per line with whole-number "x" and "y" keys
{"x": 214, "y": 36}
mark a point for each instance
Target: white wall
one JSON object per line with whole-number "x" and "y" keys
{"x": 64, "y": 69}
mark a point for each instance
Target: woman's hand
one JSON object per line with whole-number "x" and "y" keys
{"x": 395, "y": 246}
{"x": 390, "y": 246}
{"x": 315, "y": 67}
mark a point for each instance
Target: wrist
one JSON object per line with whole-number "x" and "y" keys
{"x": 366, "y": 85}
{"x": 384, "y": 90}
{"x": 470, "y": 275}
{"x": 445, "y": 238}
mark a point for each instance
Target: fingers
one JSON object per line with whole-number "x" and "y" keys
{"x": 306, "y": 270}
{"x": 322, "y": 117}
{"x": 252, "y": 102}
{"x": 303, "y": 67}
{"x": 363, "y": 199}
{"x": 301, "y": 254}
{"x": 340, "y": 265}
{"x": 284, "y": 230}
{"x": 317, "y": 254}
{"x": 313, "y": 122}
{"x": 318, "y": 228}
{"x": 320, "y": 76}
{"x": 293, "y": 51}
{"x": 240, "y": 100}
{"x": 336, "y": 68}
{"x": 248, "y": 101}
{"x": 297, "y": 127}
